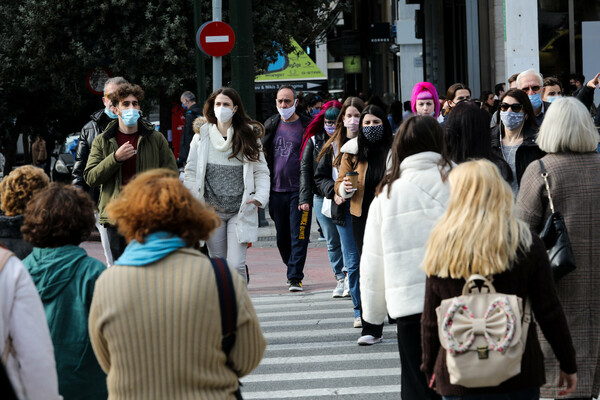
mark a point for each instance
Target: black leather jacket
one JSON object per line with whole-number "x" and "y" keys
{"x": 326, "y": 187}
{"x": 308, "y": 166}
{"x": 527, "y": 152}
{"x": 97, "y": 124}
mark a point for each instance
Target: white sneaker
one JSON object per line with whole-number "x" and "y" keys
{"x": 368, "y": 340}
{"x": 346, "y": 288}
{"x": 357, "y": 322}
{"x": 339, "y": 290}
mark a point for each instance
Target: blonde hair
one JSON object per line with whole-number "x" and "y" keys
{"x": 567, "y": 127}
{"x": 478, "y": 233}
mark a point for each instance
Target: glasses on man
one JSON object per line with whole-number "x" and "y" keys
{"x": 534, "y": 89}
{"x": 516, "y": 107}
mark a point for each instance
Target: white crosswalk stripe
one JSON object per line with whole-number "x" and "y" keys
{"x": 312, "y": 352}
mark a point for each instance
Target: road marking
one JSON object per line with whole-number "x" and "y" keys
{"x": 303, "y": 305}
{"x": 321, "y": 345}
{"x": 297, "y": 376}
{"x": 308, "y": 322}
{"x": 217, "y": 39}
{"x": 312, "y": 393}
{"x": 337, "y": 358}
{"x": 281, "y": 314}
{"x": 324, "y": 332}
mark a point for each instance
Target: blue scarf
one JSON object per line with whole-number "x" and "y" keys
{"x": 156, "y": 245}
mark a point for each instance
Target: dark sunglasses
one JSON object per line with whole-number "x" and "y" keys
{"x": 515, "y": 107}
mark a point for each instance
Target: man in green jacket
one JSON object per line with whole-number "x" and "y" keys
{"x": 127, "y": 147}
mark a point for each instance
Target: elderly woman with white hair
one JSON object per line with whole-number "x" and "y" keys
{"x": 572, "y": 162}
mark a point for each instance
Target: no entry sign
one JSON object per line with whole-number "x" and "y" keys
{"x": 215, "y": 38}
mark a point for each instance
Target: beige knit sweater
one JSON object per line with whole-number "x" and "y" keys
{"x": 156, "y": 331}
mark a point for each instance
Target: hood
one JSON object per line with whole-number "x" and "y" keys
{"x": 53, "y": 269}
{"x": 10, "y": 227}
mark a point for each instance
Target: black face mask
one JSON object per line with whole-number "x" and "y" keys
{"x": 573, "y": 87}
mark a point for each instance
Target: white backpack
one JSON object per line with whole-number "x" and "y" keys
{"x": 484, "y": 334}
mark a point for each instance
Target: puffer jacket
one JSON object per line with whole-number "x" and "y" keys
{"x": 104, "y": 170}
{"x": 97, "y": 124}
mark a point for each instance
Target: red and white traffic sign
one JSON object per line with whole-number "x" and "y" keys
{"x": 215, "y": 38}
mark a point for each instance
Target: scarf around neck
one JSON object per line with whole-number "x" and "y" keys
{"x": 156, "y": 246}
{"x": 217, "y": 140}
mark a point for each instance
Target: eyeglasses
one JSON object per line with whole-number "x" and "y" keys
{"x": 535, "y": 88}
{"x": 516, "y": 107}
{"x": 329, "y": 123}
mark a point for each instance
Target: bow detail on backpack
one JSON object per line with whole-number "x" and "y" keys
{"x": 460, "y": 327}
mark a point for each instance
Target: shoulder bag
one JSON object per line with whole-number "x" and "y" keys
{"x": 556, "y": 238}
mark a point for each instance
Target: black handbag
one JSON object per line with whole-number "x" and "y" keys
{"x": 556, "y": 238}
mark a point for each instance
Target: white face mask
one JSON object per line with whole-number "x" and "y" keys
{"x": 286, "y": 113}
{"x": 223, "y": 114}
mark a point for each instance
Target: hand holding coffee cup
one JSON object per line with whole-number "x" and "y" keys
{"x": 351, "y": 181}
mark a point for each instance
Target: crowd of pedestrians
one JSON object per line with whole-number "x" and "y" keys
{"x": 411, "y": 206}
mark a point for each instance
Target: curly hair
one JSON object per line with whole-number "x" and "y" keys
{"x": 157, "y": 201}
{"x": 57, "y": 216}
{"x": 18, "y": 188}
{"x": 124, "y": 91}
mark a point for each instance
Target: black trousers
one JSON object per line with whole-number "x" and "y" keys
{"x": 116, "y": 241}
{"x": 414, "y": 385}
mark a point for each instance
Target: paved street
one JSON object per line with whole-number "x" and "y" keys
{"x": 312, "y": 352}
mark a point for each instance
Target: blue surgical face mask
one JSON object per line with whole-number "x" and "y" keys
{"x": 130, "y": 116}
{"x": 314, "y": 112}
{"x": 183, "y": 106}
{"x": 110, "y": 114}
{"x": 511, "y": 119}
{"x": 550, "y": 99}
{"x": 536, "y": 100}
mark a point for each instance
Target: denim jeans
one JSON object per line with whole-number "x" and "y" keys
{"x": 334, "y": 246}
{"x": 293, "y": 231}
{"x": 351, "y": 259}
{"x": 526, "y": 394}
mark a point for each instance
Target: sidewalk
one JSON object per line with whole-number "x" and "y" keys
{"x": 267, "y": 271}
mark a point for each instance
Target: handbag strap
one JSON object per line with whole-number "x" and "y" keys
{"x": 227, "y": 302}
{"x": 545, "y": 176}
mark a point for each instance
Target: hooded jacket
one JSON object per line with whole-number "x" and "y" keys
{"x": 65, "y": 278}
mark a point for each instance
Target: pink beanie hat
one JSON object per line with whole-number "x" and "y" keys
{"x": 424, "y": 90}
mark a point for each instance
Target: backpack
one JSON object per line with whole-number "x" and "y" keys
{"x": 484, "y": 334}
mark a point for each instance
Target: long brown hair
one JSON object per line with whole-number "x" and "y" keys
{"x": 417, "y": 134}
{"x": 247, "y": 131}
{"x": 339, "y": 135}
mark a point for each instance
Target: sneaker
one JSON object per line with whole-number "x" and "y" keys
{"x": 339, "y": 290}
{"x": 295, "y": 286}
{"x": 346, "y": 288}
{"x": 357, "y": 322}
{"x": 288, "y": 283}
{"x": 368, "y": 340}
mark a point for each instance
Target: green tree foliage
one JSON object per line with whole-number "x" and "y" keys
{"x": 47, "y": 48}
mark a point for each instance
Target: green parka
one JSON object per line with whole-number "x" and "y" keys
{"x": 104, "y": 170}
{"x": 65, "y": 278}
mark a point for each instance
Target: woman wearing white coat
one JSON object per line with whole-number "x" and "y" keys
{"x": 226, "y": 168}
{"x": 26, "y": 347}
{"x": 409, "y": 200}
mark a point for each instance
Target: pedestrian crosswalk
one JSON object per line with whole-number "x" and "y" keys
{"x": 312, "y": 352}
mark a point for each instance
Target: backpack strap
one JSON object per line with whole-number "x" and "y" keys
{"x": 227, "y": 302}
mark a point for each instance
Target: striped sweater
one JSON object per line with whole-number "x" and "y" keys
{"x": 156, "y": 331}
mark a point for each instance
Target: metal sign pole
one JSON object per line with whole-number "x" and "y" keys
{"x": 217, "y": 61}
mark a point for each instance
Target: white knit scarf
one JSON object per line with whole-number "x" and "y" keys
{"x": 217, "y": 140}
